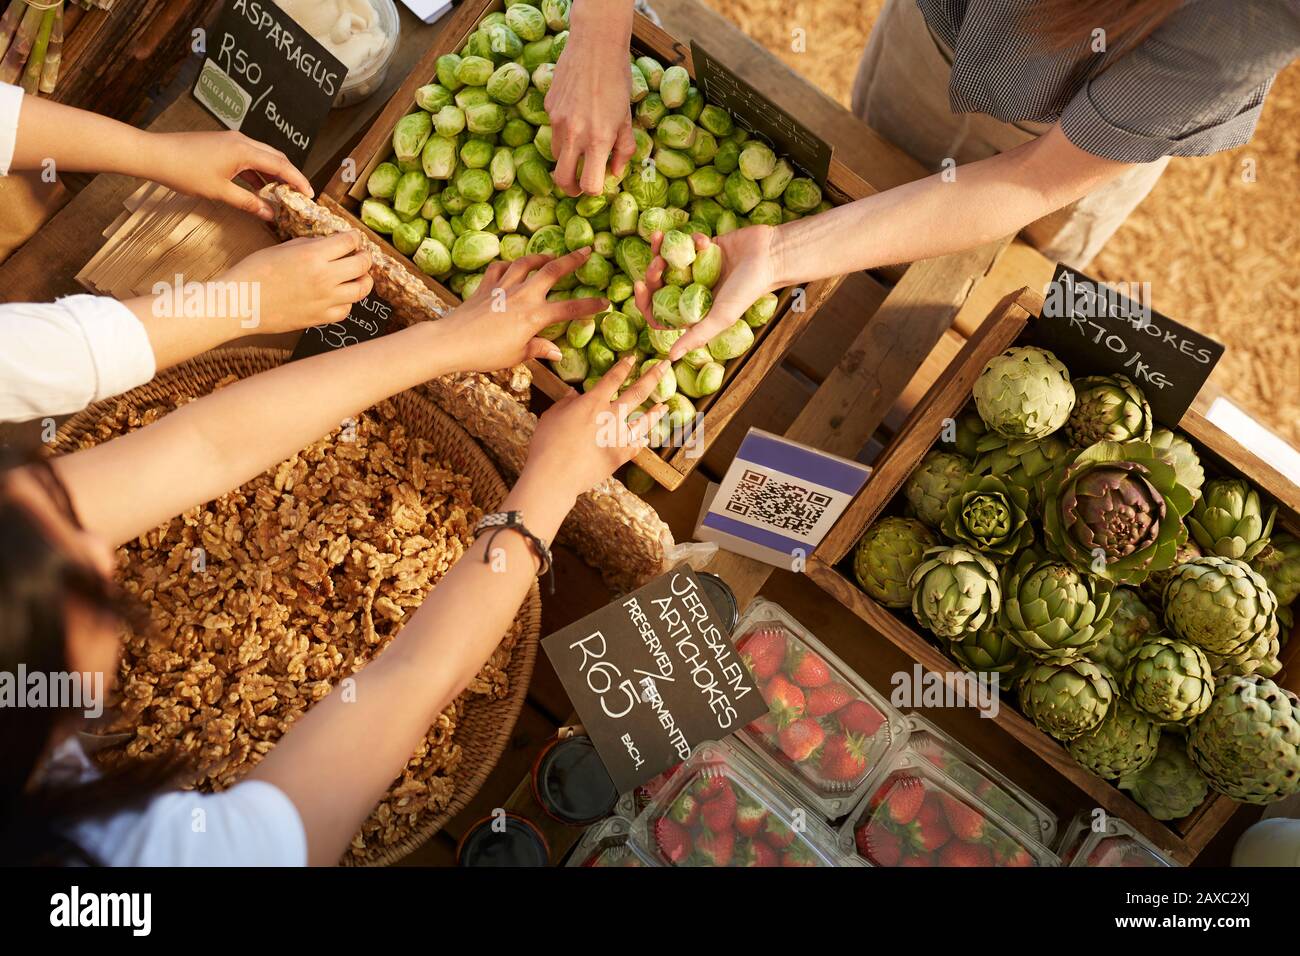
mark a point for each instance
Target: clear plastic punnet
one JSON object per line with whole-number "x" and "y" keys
{"x": 608, "y": 843}
{"x": 826, "y": 728}
{"x": 720, "y": 809}
{"x": 1105, "y": 840}
{"x": 979, "y": 778}
{"x": 914, "y": 814}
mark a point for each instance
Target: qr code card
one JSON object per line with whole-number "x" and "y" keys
{"x": 778, "y": 499}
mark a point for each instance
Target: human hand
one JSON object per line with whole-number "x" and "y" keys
{"x": 747, "y": 274}
{"x": 204, "y": 165}
{"x": 584, "y": 438}
{"x": 300, "y": 283}
{"x": 497, "y": 327}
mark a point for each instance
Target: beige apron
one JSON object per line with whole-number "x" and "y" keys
{"x": 901, "y": 91}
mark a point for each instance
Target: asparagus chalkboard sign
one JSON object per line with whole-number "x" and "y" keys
{"x": 367, "y": 320}
{"x": 759, "y": 115}
{"x": 1097, "y": 330}
{"x": 652, "y": 675}
{"x": 266, "y": 77}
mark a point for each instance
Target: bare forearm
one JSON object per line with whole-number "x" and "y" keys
{"x": 175, "y": 338}
{"x": 602, "y": 22}
{"x": 77, "y": 140}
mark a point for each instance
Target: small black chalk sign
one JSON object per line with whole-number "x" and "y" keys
{"x": 367, "y": 320}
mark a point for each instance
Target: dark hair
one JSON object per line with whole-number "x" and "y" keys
{"x": 1060, "y": 25}
{"x": 36, "y": 578}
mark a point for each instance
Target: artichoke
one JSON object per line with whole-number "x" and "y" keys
{"x": 1229, "y": 520}
{"x": 1024, "y": 393}
{"x": 1220, "y": 605}
{"x": 1115, "y": 511}
{"x": 1247, "y": 744}
{"x": 989, "y": 515}
{"x": 1279, "y": 566}
{"x": 1024, "y": 462}
{"x": 1126, "y": 741}
{"x": 1169, "y": 787}
{"x": 989, "y": 650}
{"x": 888, "y": 554}
{"x": 1257, "y": 657}
{"x": 1168, "y": 680}
{"x": 1067, "y": 698}
{"x": 1052, "y": 611}
{"x": 933, "y": 482}
{"x": 955, "y": 592}
{"x": 964, "y": 432}
{"x": 1108, "y": 408}
{"x": 1174, "y": 449}
{"x": 1130, "y": 622}
{"x": 1153, "y": 588}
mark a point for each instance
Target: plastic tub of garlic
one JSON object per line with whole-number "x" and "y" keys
{"x": 361, "y": 33}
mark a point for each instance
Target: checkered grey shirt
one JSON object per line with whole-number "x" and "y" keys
{"x": 1193, "y": 87}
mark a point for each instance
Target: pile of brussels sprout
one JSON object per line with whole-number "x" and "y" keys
{"x": 470, "y": 182}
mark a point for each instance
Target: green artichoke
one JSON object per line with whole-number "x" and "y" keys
{"x": 1024, "y": 393}
{"x": 1024, "y": 462}
{"x": 964, "y": 432}
{"x": 1169, "y": 787}
{"x": 1052, "y": 611}
{"x": 1153, "y": 588}
{"x": 1130, "y": 622}
{"x": 1067, "y": 698}
{"x": 1168, "y": 680}
{"x": 1229, "y": 520}
{"x": 1220, "y": 605}
{"x": 990, "y": 515}
{"x": 955, "y": 592}
{"x": 933, "y": 482}
{"x": 1115, "y": 511}
{"x": 989, "y": 650}
{"x": 1108, "y": 408}
{"x": 1279, "y": 566}
{"x": 1257, "y": 657}
{"x": 1125, "y": 742}
{"x": 888, "y": 554}
{"x": 1247, "y": 744}
{"x": 1174, "y": 449}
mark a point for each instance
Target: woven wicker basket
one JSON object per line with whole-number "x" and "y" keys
{"x": 487, "y": 724}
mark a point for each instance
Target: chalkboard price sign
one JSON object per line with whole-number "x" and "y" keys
{"x": 367, "y": 320}
{"x": 266, "y": 77}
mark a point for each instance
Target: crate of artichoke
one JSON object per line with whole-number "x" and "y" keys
{"x": 1131, "y": 585}
{"x": 457, "y": 174}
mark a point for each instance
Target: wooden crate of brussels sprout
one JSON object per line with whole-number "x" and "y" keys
{"x": 456, "y": 174}
{"x": 1133, "y": 583}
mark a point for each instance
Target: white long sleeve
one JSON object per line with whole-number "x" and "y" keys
{"x": 11, "y": 103}
{"x": 58, "y": 357}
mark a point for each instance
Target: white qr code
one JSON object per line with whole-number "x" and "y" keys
{"x": 781, "y": 505}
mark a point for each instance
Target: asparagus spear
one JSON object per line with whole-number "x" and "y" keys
{"x": 36, "y": 61}
{"x": 12, "y": 66}
{"x": 9, "y": 21}
{"x": 53, "y": 53}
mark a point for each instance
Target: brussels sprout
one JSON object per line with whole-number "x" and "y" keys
{"x": 706, "y": 211}
{"x": 742, "y": 194}
{"x": 547, "y": 240}
{"x": 408, "y": 165}
{"x": 556, "y": 13}
{"x": 802, "y": 194}
{"x": 648, "y": 187}
{"x": 485, "y": 118}
{"x": 693, "y": 106}
{"x": 408, "y": 236}
{"x": 533, "y": 176}
{"x": 452, "y": 200}
{"x": 706, "y": 182}
{"x": 448, "y": 70}
{"x": 572, "y": 364}
{"x": 672, "y": 163}
{"x": 681, "y": 411}
{"x": 707, "y": 267}
{"x": 577, "y": 233}
{"x": 379, "y": 216}
{"x": 479, "y": 217}
{"x": 619, "y": 288}
{"x": 632, "y": 312}
{"x": 674, "y": 86}
{"x": 565, "y": 209}
{"x": 383, "y": 181}
{"x": 599, "y": 356}
{"x": 508, "y": 208}
{"x": 432, "y": 207}
{"x": 650, "y": 111}
{"x": 675, "y": 132}
{"x": 652, "y": 220}
{"x": 679, "y": 193}
{"x": 726, "y": 222}
{"x": 517, "y": 133}
{"x": 476, "y": 153}
{"x": 678, "y": 249}
{"x": 623, "y": 214}
{"x": 732, "y": 342}
{"x": 458, "y": 227}
{"x": 457, "y": 282}
{"x": 660, "y": 435}
{"x": 586, "y": 292}
{"x": 526, "y": 21}
{"x": 694, "y": 304}
{"x": 411, "y": 133}
{"x": 432, "y": 258}
{"x": 412, "y": 190}
{"x": 538, "y": 213}
{"x": 504, "y": 42}
{"x": 472, "y": 96}
{"x": 472, "y": 282}
{"x": 542, "y": 141}
{"x": 767, "y": 213}
{"x": 640, "y": 88}
{"x": 617, "y": 331}
{"x": 439, "y": 158}
{"x": 757, "y": 161}
{"x": 686, "y": 379}
{"x": 508, "y": 83}
{"x": 536, "y": 53}
{"x": 708, "y": 379}
{"x": 774, "y": 183}
{"x": 727, "y": 159}
{"x": 475, "y": 185}
{"x": 633, "y": 256}
{"x": 474, "y": 250}
{"x": 580, "y": 331}
{"x": 440, "y": 229}
{"x": 697, "y": 358}
{"x": 595, "y": 272}
{"x": 502, "y": 169}
{"x": 762, "y": 311}
{"x": 552, "y": 333}
{"x": 666, "y": 386}
{"x": 716, "y": 120}
{"x": 527, "y": 154}
{"x": 666, "y": 302}
{"x": 643, "y": 341}
{"x": 604, "y": 243}
{"x": 532, "y": 108}
{"x": 789, "y": 215}
{"x": 588, "y": 206}
{"x": 432, "y": 97}
{"x": 652, "y": 69}
{"x": 543, "y": 76}
{"x": 645, "y": 145}
{"x": 474, "y": 71}
{"x": 703, "y": 148}
{"x": 561, "y": 41}
{"x": 513, "y": 247}
{"x": 678, "y": 277}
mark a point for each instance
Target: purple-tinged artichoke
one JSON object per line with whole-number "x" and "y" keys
{"x": 1170, "y": 787}
{"x": 1024, "y": 462}
{"x": 1067, "y": 698}
{"x": 1168, "y": 680}
{"x": 1126, "y": 741}
{"x": 955, "y": 592}
{"x": 1279, "y": 566}
{"x": 990, "y": 650}
{"x": 989, "y": 515}
{"x": 1230, "y": 521}
{"x": 1108, "y": 408}
{"x": 1174, "y": 448}
{"x": 1051, "y": 610}
{"x": 1130, "y": 623}
{"x": 1247, "y": 744}
{"x": 933, "y": 482}
{"x": 1220, "y": 605}
{"x": 887, "y": 555}
{"x": 1024, "y": 393}
{"x": 1115, "y": 511}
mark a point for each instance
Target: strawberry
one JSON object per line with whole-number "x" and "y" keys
{"x": 708, "y": 786}
{"x": 918, "y": 859}
{"x": 750, "y": 816}
{"x": 764, "y": 726}
{"x": 1017, "y": 857}
{"x": 798, "y": 855}
{"x": 800, "y": 739}
{"x": 860, "y": 718}
{"x": 966, "y": 822}
{"x": 965, "y": 854}
{"x": 930, "y": 830}
{"x": 878, "y": 844}
{"x": 828, "y": 699}
{"x": 763, "y": 651}
{"x": 714, "y": 849}
{"x": 719, "y": 813}
{"x": 758, "y": 853}
{"x": 901, "y": 797}
{"x": 685, "y": 809}
{"x": 784, "y": 700}
{"x": 807, "y": 669}
{"x": 777, "y": 834}
{"x": 843, "y": 758}
{"x": 672, "y": 839}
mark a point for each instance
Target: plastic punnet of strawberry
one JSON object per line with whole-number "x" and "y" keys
{"x": 1095, "y": 840}
{"x": 981, "y": 779}
{"x": 717, "y": 811}
{"x": 915, "y": 815}
{"x": 608, "y": 844}
{"x": 825, "y": 727}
